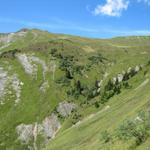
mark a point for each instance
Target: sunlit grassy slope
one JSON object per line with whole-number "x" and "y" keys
{"x": 119, "y": 53}
{"x": 87, "y": 135}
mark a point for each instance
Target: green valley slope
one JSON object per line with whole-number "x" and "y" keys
{"x": 64, "y": 92}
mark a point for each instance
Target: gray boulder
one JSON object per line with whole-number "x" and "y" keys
{"x": 44, "y": 86}
{"x": 3, "y": 82}
{"x": 137, "y": 69}
{"x": 99, "y": 83}
{"x": 120, "y": 77}
{"x": 129, "y": 70}
{"x": 65, "y": 108}
{"x": 98, "y": 90}
{"x": 50, "y": 126}
{"x": 28, "y": 134}
{"x": 25, "y": 133}
{"x": 114, "y": 80}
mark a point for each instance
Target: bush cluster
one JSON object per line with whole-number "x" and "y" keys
{"x": 138, "y": 129}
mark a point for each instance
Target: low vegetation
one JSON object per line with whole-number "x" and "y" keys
{"x": 70, "y": 97}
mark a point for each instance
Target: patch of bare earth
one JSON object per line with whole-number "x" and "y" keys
{"x": 88, "y": 49}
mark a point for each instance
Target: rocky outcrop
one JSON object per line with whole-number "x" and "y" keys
{"x": 50, "y": 126}
{"x": 9, "y": 84}
{"x": 114, "y": 80}
{"x": 41, "y": 62}
{"x": 44, "y": 86}
{"x": 137, "y": 68}
{"x": 129, "y": 70}
{"x": 99, "y": 83}
{"x": 7, "y": 39}
{"x": 28, "y": 134}
{"x": 3, "y": 82}
{"x": 52, "y": 67}
{"x": 11, "y": 37}
{"x": 65, "y": 108}
{"x": 17, "y": 86}
{"x": 29, "y": 63}
{"x": 120, "y": 77}
{"x": 125, "y": 75}
{"x": 98, "y": 86}
{"x": 105, "y": 75}
{"x": 25, "y": 133}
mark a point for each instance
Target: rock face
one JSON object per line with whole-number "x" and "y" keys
{"x": 129, "y": 70}
{"x": 98, "y": 86}
{"x": 9, "y": 83}
{"x": 44, "y": 86}
{"x": 120, "y": 77}
{"x": 137, "y": 69}
{"x": 50, "y": 126}
{"x": 52, "y": 67}
{"x": 98, "y": 90}
{"x": 6, "y": 39}
{"x": 30, "y": 62}
{"x": 41, "y": 62}
{"x": 65, "y": 108}
{"x": 106, "y": 75}
{"x": 27, "y": 134}
{"x": 26, "y": 63}
{"x": 125, "y": 75}
{"x": 17, "y": 86}
{"x": 114, "y": 80}
{"x": 99, "y": 83}
{"x": 3, "y": 81}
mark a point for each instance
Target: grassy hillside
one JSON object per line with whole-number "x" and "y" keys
{"x": 88, "y": 134}
{"x": 40, "y": 70}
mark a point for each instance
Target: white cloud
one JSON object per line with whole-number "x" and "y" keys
{"x": 112, "y": 8}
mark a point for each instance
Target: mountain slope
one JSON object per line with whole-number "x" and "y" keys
{"x": 87, "y": 134}
{"x": 66, "y": 90}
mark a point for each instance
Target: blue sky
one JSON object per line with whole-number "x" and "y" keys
{"x": 91, "y": 18}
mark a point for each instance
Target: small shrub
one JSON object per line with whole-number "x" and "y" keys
{"x": 125, "y": 130}
{"x": 106, "y": 96}
{"x": 96, "y": 59}
{"x": 69, "y": 73}
{"x": 63, "y": 81}
{"x": 109, "y": 86}
{"x": 145, "y": 72}
{"x": 140, "y": 134}
{"x": 53, "y": 52}
{"x": 97, "y": 104}
{"x": 148, "y": 63}
{"x": 126, "y": 76}
{"x": 117, "y": 88}
{"x": 9, "y": 54}
{"x": 105, "y": 136}
{"x": 133, "y": 72}
{"x": 126, "y": 85}
{"x": 91, "y": 94}
{"x": 76, "y": 117}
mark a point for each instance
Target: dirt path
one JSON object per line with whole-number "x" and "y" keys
{"x": 142, "y": 84}
{"x": 91, "y": 116}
